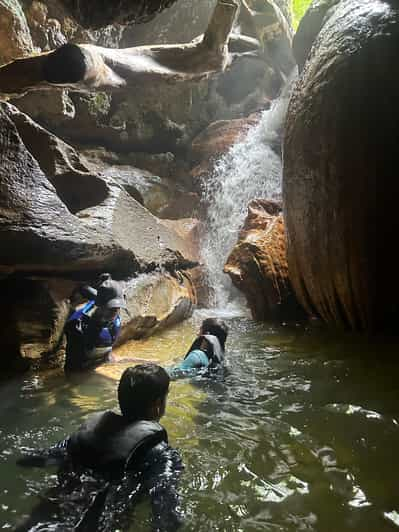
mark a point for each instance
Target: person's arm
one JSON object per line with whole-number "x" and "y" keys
{"x": 77, "y": 313}
{"x": 55, "y": 455}
{"x": 161, "y": 473}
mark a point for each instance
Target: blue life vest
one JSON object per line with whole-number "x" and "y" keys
{"x": 89, "y": 342}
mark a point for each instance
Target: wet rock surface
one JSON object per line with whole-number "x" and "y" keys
{"x": 15, "y": 37}
{"x": 215, "y": 141}
{"x": 97, "y": 13}
{"x": 38, "y": 232}
{"x": 340, "y": 169}
{"x": 156, "y": 301}
{"x": 164, "y": 197}
{"x": 258, "y": 265}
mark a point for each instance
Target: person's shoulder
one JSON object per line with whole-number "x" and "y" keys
{"x": 162, "y": 453}
{"x": 98, "y": 420}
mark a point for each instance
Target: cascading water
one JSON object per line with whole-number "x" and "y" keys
{"x": 251, "y": 169}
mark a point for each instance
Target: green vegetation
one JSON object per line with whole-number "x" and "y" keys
{"x": 99, "y": 103}
{"x": 298, "y": 10}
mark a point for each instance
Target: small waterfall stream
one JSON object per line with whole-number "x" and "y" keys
{"x": 251, "y": 169}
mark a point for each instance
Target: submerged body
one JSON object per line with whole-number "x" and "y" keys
{"x": 207, "y": 350}
{"x": 106, "y": 468}
{"x": 111, "y": 462}
{"x": 205, "y": 353}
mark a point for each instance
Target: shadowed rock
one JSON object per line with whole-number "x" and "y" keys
{"x": 341, "y": 161}
{"x": 98, "y": 13}
{"x": 39, "y": 233}
{"x": 76, "y": 186}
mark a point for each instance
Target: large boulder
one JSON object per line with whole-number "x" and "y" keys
{"x": 258, "y": 265}
{"x": 316, "y": 15}
{"x": 341, "y": 159}
{"x": 156, "y": 301}
{"x": 38, "y": 230}
{"x": 15, "y": 37}
{"x": 162, "y": 196}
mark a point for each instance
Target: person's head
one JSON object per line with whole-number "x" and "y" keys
{"x": 142, "y": 392}
{"x": 109, "y": 300}
{"x": 217, "y": 328}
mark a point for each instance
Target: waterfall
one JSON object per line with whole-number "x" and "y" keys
{"x": 250, "y": 169}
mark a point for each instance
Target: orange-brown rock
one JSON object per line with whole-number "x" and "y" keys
{"x": 216, "y": 140}
{"x": 341, "y": 161}
{"x": 258, "y": 263}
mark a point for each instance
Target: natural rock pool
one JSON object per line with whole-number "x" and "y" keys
{"x": 301, "y": 433}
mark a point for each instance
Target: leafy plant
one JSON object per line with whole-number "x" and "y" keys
{"x": 298, "y": 10}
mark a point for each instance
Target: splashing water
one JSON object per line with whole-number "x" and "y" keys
{"x": 250, "y": 169}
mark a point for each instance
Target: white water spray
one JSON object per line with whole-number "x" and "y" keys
{"x": 250, "y": 169}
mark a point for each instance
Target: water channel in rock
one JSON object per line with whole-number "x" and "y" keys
{"x": 301, "y": 432}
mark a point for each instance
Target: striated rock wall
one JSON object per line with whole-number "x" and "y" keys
{"x": 341, "y": 161}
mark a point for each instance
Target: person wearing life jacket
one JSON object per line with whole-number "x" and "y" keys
{"x": 112, "y": 460}
{"x": 92, "y": 329}
{"x": 206, "y": 352}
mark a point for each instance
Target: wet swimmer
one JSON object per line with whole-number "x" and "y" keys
{"x": 112, "y": 461}
{"x": 92, "y": 329}
{"x": 206, "y": 352}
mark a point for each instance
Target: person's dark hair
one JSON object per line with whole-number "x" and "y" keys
{"x": 217, "y": 328}
{"x": 140, "y": 386}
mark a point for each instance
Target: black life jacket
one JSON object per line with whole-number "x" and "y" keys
{"x": 108, "y": 442}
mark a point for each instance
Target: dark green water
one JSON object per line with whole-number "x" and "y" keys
{"x": 302, "y": 433}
